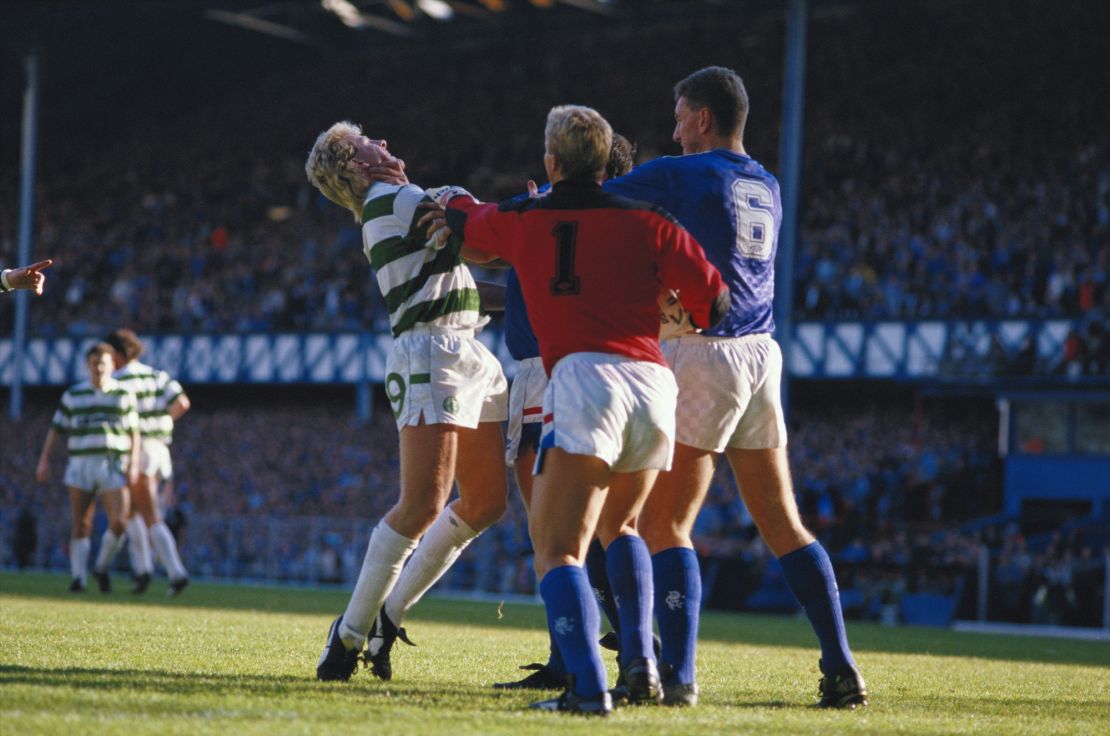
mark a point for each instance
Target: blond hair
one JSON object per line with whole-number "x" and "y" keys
{"x": 579, "y": 139}
{"x": 328, "y": 167}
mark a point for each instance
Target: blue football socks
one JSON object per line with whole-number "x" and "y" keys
{"x": 573, "y": 620}
{"x": 677, "y": 608}
{"x": 628, "y": 563}
{"x": 596, "y": 564}
{"x": 809, "y": 573}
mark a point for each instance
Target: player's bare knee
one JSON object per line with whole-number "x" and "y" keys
{"x": 658, "y": 542}
{"x": 661, "y": 532}
{"x": 545, "y": 563}
{"x": 608, "y": 533}
{"x": 425, "y": 516}
{"x": 494, "y": 509}
{"x": 784, "y": 540}
{"x": 483, "y": 512}
{"x": 416, "y": 513}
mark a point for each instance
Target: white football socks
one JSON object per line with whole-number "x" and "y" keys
{"x": 138, "y": 547}
{"x": 164, "y": 544}
{"x": 385, "y": 556}
{"x": 79, "y": 558}
{"x": 109, "y": 546}
{"x": 441, "y": 546}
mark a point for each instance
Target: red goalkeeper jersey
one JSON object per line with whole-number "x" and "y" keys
{"x": 591, "y": 265}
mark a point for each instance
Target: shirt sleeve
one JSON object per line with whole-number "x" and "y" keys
{"x": 63, "y": 416}
{"x": 683, "y": 266}
{"x": 645, "y": 183}
{"x": 387, "y": 218}
{"x": 169, "y": 388}
{"x": 483, "y": 227}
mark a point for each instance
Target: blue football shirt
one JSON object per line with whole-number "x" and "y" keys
{"x": 519, "y": 337}
{"x": 731, "y": 205}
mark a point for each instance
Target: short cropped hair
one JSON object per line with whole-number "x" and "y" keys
{"x": 125, "y": 342}
{"x": 622, "y": 156}
{"x": 723, "y": 92}
{"x": 101, "y": 348}
{"x": 328, "y": 167}
{"x": 579, "y": 139}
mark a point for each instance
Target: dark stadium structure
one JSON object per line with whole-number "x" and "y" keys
{"x": 948, "y": 352}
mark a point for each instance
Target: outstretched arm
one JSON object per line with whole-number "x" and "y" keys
{"x": 27, "y": 277}
{"x": 438, "y": 231}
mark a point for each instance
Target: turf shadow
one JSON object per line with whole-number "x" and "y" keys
{"x": 168, "y": 682}
{"x": 729, "y": 628}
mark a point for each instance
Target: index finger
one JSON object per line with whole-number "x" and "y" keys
{"x": 427, "y": 217}
{"x": 41, "y": 265}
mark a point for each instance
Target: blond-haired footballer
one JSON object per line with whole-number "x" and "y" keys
{"x": 447, "y": 392}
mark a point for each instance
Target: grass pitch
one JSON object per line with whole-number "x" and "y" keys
{"x": 241, "y": 660}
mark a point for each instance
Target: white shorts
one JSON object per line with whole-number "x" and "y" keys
{"x": 525, "y": 403}
{"x": 728, "y": 391}
{"x": 96, "y": 473}
{"x": 611, "y": 407}
{"x": 156, "y": 460}
{"x": 446, "y": 376}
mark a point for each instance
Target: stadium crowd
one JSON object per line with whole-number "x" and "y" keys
{"x": 864, "y": 469}
{"x": 1058, "y": 583}
{"x": 884, "y": 484}
{"x": 915, "y": 207}
{"x": 305, "y": 454}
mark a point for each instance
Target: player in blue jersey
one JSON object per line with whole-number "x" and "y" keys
{"x": 729, "y": 378}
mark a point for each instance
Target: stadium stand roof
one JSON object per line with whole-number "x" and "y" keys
{"x": 73, "y": 26}
{"x": 91, "y": 53}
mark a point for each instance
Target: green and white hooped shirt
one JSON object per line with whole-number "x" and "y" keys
{"x": 97, "y": 421}
{"x": 154, "y": 391}
{"x": 420, "y": 285}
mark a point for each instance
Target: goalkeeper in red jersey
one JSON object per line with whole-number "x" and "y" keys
{"x": 591, "y": 266}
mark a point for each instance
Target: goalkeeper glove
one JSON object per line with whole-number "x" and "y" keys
{"x": 443, "y": 195}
